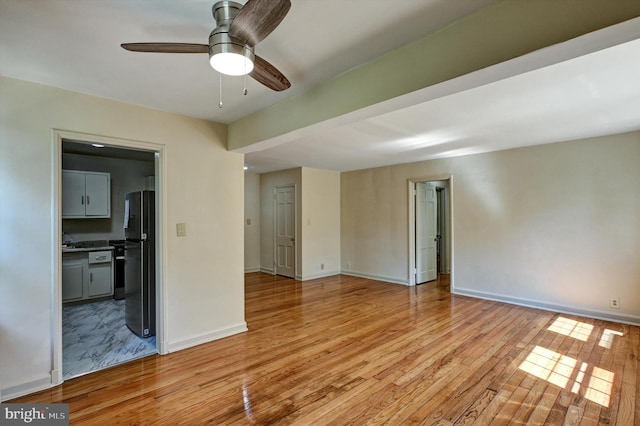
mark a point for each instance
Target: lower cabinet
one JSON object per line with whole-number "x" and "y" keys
{"x": 87, "y": 275}
{"x": 100, "y": 279}
{"x": 73, "y": 271}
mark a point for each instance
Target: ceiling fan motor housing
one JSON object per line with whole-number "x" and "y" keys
{"x": 221, "y": 44}
{"x": 225, "y": 11}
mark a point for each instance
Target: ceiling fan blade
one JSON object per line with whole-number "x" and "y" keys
{"x": 257, "y": 19}
{"x": 265, "y": 73}
{"x": 166, "y": 47}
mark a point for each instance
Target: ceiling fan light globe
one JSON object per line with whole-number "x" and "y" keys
{"x": 230, "y": 63}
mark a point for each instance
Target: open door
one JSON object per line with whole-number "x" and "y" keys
{"x": 285, "y": 218}
{"x": 426, "y": 238}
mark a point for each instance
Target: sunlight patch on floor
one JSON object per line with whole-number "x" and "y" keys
{"x": 549, "y": 365}
{"x": 558, "y": 369}
{"x": 600, "y": 385}
{"x": 607, "y": 338}
{"x": 568, "y": 327}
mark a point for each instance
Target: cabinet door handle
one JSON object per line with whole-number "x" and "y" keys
{"x": 82, "y": 200}
{"x": 88, "y": 201}
{"x": 91, "y": 276}
{"x": 101, "y": 257}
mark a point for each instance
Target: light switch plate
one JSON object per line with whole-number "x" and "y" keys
{"x": 181, "y": 229}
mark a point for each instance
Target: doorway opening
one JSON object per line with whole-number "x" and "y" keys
{"x": 430, "y": 239}
{"x": 100, "y": 300}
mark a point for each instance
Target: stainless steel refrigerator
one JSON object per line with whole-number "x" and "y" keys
{"x": 139, "y": 263}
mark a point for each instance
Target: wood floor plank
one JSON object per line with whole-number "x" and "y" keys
{"x": 505, "y": 415}
{"x": 636, "y": 339}
{"x": 541, "y": 412}
{"x": 628, "y": 395}
{"x": 612, "y": 362}
{"x": 489, "y": 413}
{"x": 530, "y": 402}
{"x": 475, "y": 410}
{"x": 347, "y": 350}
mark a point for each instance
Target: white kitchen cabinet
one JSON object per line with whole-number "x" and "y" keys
{"x": 73, "y": 194}
{"x": 87, "y": 275}
{"x": 86, "y": 194}
{"x": 100, "y": 274}
{"x": 73, "y": 269}
{"x": 100, "y": 280}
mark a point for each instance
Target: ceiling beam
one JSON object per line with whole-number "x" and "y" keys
{"x": 491, "y": 36}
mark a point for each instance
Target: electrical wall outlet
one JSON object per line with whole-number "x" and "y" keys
{"x": 322, "y": 266}
{"x": 614, "y": 303}
{"x": 181, "y": 229}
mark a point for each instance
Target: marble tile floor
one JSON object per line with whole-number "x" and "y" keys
{"x": 95, "y": 336}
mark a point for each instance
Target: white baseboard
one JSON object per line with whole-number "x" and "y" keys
{"x": 163, "y": 347}
{"x": 266, "y": 270}
{"x": 324, "y": 274}
{"x": 56, "y": 377}
{"x": 249, "y": 270}
{"x": 376, "y": 277}
{"x": 207, "y": 337}
{"x": 25, "y": 388}
{"x": 553, "y": 307}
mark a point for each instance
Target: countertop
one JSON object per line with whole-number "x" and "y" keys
{"x": 80, "y": 246}
{"x": 80, "y": 249}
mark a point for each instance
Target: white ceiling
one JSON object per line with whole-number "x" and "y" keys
{"x": 75, "y": 45}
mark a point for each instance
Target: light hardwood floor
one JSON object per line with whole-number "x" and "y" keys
{"x": 345, "y": 350}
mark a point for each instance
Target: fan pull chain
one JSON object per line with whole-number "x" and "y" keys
{"x": 220, "y": 103}
{"x": 244, "y": 91}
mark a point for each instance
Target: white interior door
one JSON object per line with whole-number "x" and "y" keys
{"x": 285, "y": 231}
{"x": 426, "y": 211}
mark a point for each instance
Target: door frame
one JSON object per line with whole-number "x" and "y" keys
{"x": 295, "y": 228}
{"x": 411, "y": 267}
{"x": 57, "y": 137}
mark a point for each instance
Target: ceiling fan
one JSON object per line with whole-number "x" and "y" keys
{"x": 231, "y": 44}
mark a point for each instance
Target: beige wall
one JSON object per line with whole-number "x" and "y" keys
{"x": 202, "y": 186}
{"x": 317, "y": 220}
{"x": 320, "y": 223}
{"x": 555, "y": 226}
{"x": 251, "y": 230}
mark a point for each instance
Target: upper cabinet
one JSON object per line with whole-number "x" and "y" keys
{"x": 86, "y": 194}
